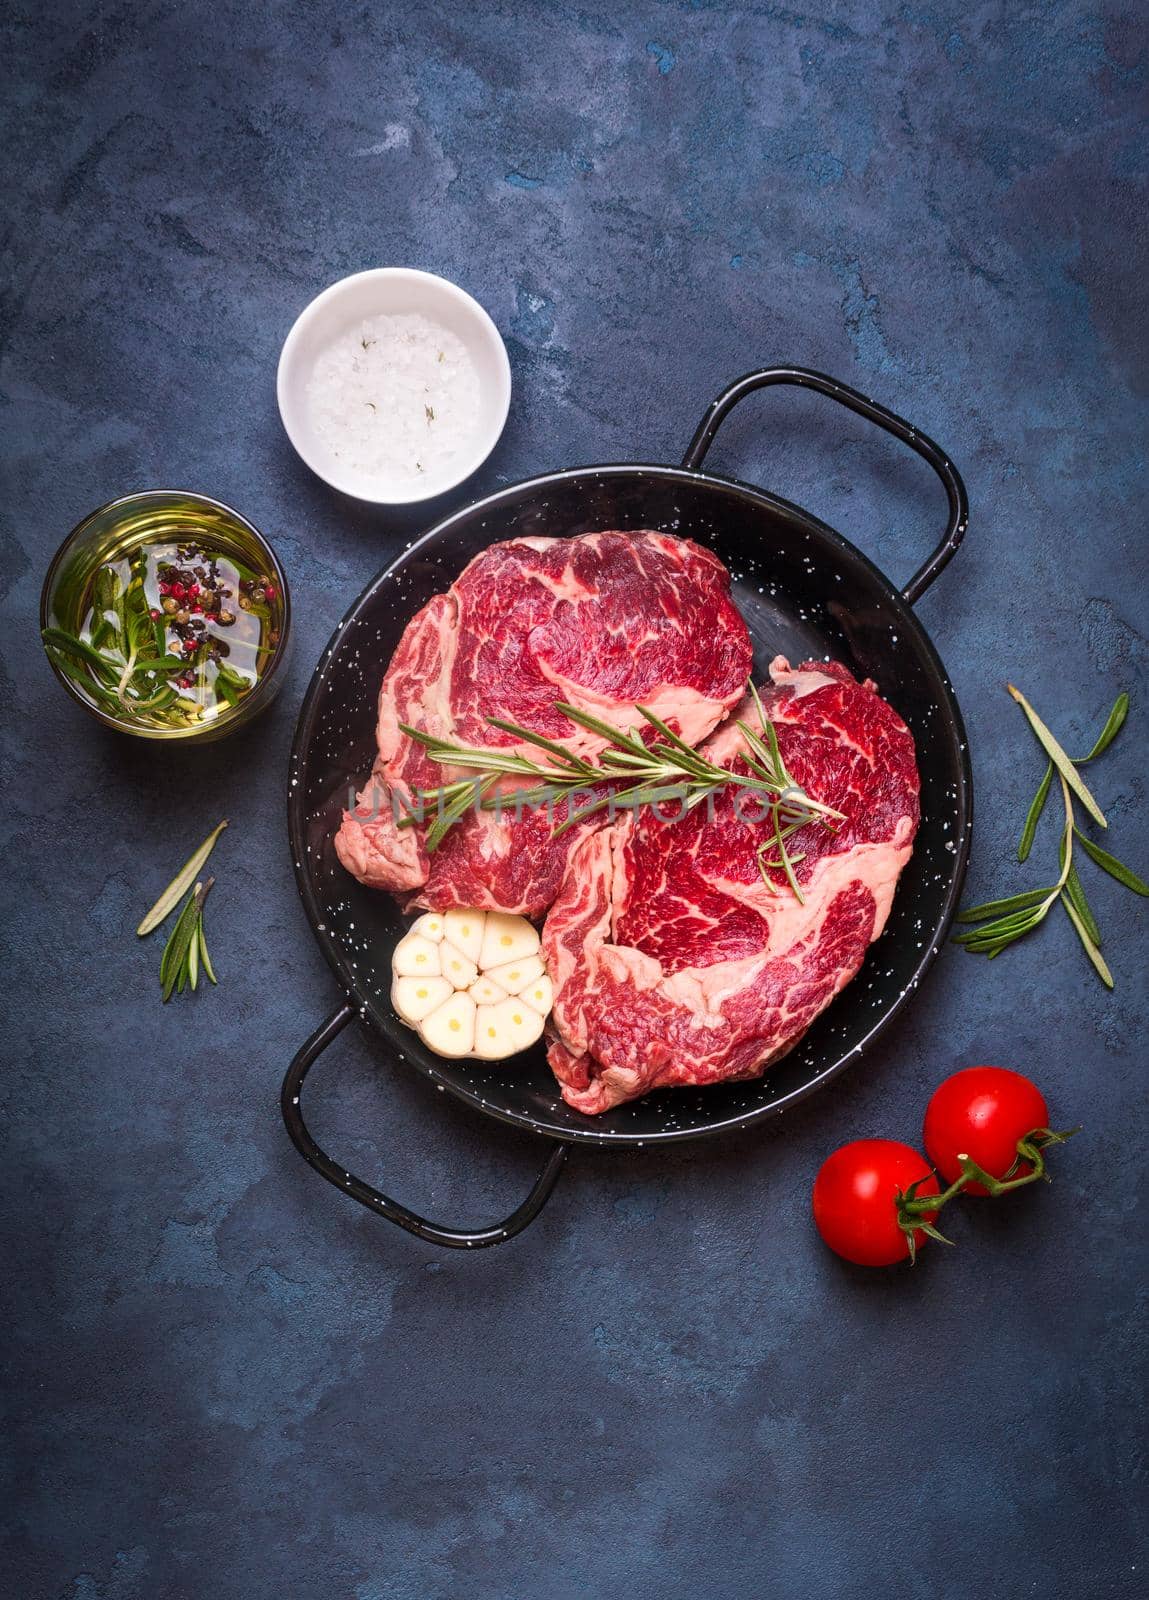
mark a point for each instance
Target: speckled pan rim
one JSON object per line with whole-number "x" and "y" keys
{"x": 932, "y": 943}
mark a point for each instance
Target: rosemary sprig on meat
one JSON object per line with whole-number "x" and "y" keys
{"x": 1001, "y": 923}
{"x": 627, "y": 773}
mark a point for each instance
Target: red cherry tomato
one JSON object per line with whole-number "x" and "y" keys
{"x": 982, "y": 1112}
{"x": 854, "y": 1195}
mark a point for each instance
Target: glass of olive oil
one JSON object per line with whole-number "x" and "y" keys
{"x": 166, "y": 614}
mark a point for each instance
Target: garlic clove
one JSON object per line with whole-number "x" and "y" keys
{"x": 457, "y": 967}
{"x": 450, "y": 1029}
{"x": 463, "y": 927}
{"x": 515, "y": 975}
{"x": 485, "y": 992}
{"x": 507, "y": 938}
{"x": 539, "y": 995}
{"x": 491, "y": 1042}
{"x": 416, "y": 957}
{"x": 429, "y": 926}
{"x": 416, "y": 998}
{"x": 516, "y": 1025}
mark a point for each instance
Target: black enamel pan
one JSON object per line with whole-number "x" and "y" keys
{"x": 805, "y": 592}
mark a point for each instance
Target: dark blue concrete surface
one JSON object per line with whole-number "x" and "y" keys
{"x": 223, "y": 1382}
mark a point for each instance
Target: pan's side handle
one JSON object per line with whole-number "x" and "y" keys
{"x": 804, "y": 378}
{"x": 381, "y": 1204}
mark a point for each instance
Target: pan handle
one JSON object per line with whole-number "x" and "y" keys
{"x": 347, "y": 1183}
{"x": 873, "y": 412}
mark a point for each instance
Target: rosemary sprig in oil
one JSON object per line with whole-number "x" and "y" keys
{"x": 125, "y": 667}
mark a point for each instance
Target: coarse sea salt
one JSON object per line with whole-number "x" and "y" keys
{"x": 395, "y": 398}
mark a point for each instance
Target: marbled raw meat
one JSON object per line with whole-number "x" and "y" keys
{"x": 604, "y": 621}
{"x": 673, "y": 962}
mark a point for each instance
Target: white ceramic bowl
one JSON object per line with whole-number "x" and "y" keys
{"x": 392, "y": 291}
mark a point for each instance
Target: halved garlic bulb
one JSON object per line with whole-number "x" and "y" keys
{"x": 472, "y": 982}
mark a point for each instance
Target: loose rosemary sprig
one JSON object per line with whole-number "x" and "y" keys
{"x": 186, "y": 949}
{"x": 649, "y": 774}
{"x": 181, "y": 883}
{"x": 1113, "y": 725}
{"x": 185, "y": 953}
{"x": 1002, "y": 922}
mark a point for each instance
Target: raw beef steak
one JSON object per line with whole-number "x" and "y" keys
{"x": 674, "y": 963}
{"x": 603, "y": 621}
